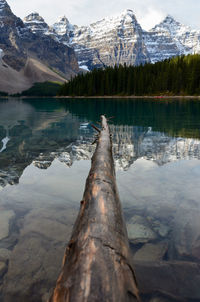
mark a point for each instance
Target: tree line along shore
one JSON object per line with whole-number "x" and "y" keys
{"x": 178, "y": 76}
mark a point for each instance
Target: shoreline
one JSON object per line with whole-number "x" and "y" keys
{"x": 107, "y": 97}
{"x": 129, "y": 97}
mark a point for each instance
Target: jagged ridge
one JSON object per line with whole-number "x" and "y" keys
{"x": 113, "y": 40}
{"x": 120, "y": 39}
{"x": 19, "y": 45}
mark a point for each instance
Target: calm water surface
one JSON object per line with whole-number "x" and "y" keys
{"x": 45, "y": 152}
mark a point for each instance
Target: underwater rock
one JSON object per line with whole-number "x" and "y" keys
{"x": 151, "y": 252}
{"x": 180, "y": 279}
{"x": 139, "y": 230}
{"x": 5, "y": 218}
{"x": 186, "y": 233}
{"x": 159, "y": 227}
{"x": 39, "y": 251}
{"x": 4, "y": 254}
{"x": 162, "y": 299}
{"x": 3, "y": 268}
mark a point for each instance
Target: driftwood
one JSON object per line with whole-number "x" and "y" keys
{"x": 97, "y": 263}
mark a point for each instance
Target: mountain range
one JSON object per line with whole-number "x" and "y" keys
{"x": 26, "y": 58}
{"x": 32, "y": 51}
{"x": 119, "y": 39}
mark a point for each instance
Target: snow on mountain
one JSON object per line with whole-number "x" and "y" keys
{"x": 110, "y": 41}
{"x": 5, "y": 12}
{"x": 63, "y": 27}
{"x": 1, "y": 53}
{"x": 36, "y": 23}
{"x": 62, "y": 30}
{"x": 113, "y": 40}
{"x": 160, "y": 43}
{"x": 187, "y": 40}
{"x": 171, "y": 38}
{"x": 170, "y": 27}
{"x": 3, "y": 5}
{"x": 120, "y": 39}
{"x": 28, "y": 56}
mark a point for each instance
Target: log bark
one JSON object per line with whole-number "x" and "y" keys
{"x": 97, "y": 263}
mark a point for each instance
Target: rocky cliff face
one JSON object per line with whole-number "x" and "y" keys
{"x": 63, "y": 31}
{"x": 171, "y": 38}
{"x": 64, "y": 47}
{"x": 36, "y": 23}
{"x": 19, "y": 44}
{"x": 120, "y": 39}
{"x": 11, "y": 28}
{"x": 115, "y": 40}
{"x": 187, "y": 40}
{"x": 160, "y": 44}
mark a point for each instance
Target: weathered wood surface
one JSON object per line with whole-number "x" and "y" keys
{"x": 97, "y": 263}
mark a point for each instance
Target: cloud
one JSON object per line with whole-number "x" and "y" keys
{"x": 83, "y": 12}
{"x": 150, "y": 18}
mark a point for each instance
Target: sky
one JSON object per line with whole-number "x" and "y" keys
{"x": 84, "y": 12}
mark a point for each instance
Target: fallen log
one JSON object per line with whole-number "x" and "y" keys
{"x": 97, "y": 264}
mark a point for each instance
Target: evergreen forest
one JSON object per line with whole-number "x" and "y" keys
{"x": 44, "y": 89}
{"x": 175, "y": 76}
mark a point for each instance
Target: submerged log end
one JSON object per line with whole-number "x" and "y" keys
{"x": 96, "y": 274}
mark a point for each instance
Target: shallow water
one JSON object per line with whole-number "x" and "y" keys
{"x": 46, "y": 146}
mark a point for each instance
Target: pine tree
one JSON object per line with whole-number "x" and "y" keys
{"x": 179, "y": 75}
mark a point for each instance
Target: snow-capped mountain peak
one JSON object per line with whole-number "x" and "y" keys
{"x": 169, "y": 19}
{"x": 118, "y": 20}
{"x": 186, "y": 40}
{"x": 63, "y": 19}
{"x": 3, "y": 3}
{"x": 113, "y": 40}
{"x": 33, "y": 17}
{"x": 62, "y": 27}
{"x": 4, "y": 9}
{"x": 128, "y": 12}
{"x": 128, "y": 15}
{"x": 119, "y": 39}
{"x": 36, "y": 23}
{"x": 171, "y": 26}
{"x": 1, "y": 53}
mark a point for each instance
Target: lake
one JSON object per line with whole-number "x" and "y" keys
{"x": 45, "y": 151}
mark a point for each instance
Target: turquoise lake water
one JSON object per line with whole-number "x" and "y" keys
{"x": 45, "y": 152}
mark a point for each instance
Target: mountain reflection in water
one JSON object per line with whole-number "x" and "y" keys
{"x": 156, "y": 147}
